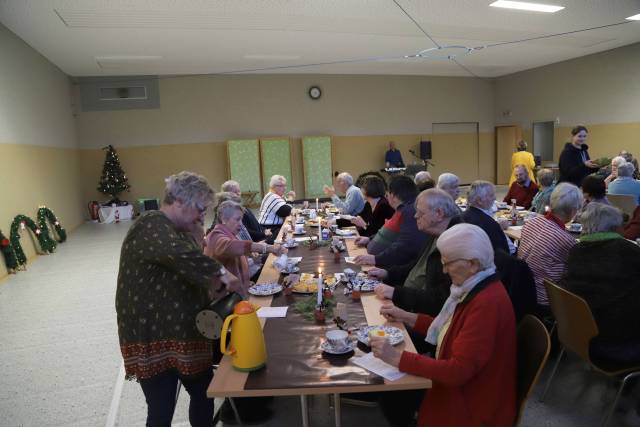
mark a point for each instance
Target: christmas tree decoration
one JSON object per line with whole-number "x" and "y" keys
{"x": 45, "y": 214}
{"x": 9, "y": 254}
{"x": 46, "y": 244}
{"x": 113, "y": 180}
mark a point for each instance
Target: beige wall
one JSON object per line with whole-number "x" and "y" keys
{"x": 601, "y": 91}
{"x": 38, "y": 142}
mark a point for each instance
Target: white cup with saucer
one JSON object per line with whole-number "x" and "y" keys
{"x": 338, "y": 340}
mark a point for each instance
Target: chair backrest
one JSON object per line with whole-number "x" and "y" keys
{"x": 533, "y": 350}
{"x": 575, "y": 322}
{"x": 625, "y": 202}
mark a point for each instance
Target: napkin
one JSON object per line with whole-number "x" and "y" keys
{"x": 378, "y": 366}
{"x": 295, "y": 259}
{"x": 350, "y": 259}
{"x": 281, "y": 262}
{"x": 266, "y": 312}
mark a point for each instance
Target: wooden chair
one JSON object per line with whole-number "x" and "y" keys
{"x": 534, "y": 345}
{"x": 576, "y": 327}
{"x": 625, "y": 202}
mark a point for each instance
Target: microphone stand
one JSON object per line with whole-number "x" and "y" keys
{"x": 424, "y": 161}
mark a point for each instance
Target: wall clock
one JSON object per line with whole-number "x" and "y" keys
{"x": 315, "y": 92}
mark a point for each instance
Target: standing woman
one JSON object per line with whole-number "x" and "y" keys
{"x": 575, "y": 162}
{"x": 522, "y": 157}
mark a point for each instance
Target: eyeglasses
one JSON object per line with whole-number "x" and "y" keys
{"x": 446, "y": 264}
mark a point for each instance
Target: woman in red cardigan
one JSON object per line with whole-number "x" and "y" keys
{"x": 223, "y": 245}
{"x": 474, "y": 368}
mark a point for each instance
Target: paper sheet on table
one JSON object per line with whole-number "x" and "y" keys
{"x": 266, "y": 312}
{"x": 350, "y": 259}
{"x": 295, "y": 259}
{"x": 304, "y": 239}
{"x": 377, "y": 366}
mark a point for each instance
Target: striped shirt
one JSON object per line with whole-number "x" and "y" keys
{"x": 545, "y": 246}
{"x": 270, "y": 205}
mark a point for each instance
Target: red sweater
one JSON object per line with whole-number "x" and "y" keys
{"x": 474, "y": 378}
{"x": 523, "y": 195}
{"x": 632, "y": 229}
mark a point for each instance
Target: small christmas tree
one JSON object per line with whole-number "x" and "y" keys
{"x": 113, "y": 180}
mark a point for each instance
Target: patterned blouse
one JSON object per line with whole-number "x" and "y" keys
{"x": 162, "y": 284}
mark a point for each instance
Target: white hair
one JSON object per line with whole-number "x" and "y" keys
{"x": 617, "y": 161}
{"x": 467, "y": 241}
{"x": 448, "y": 180}
{"x": 440, "y": 199}
{"x": 227, "y": 208}
{"x": 230, "y": 185}
{"x": 189, "y": 188}
{"x": 346, "y": 178}
{"x": 481, "y": 194}
{"x": 626, "y": 169}
{"x": 566, "y": 199}
{"x": 422, "y": 177}
{"x": 277, "y": 179}
{"x": 545, "y": 177}
{"x": 597, "y": 217}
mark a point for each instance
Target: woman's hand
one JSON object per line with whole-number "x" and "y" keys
{"x": 362, "y": 241}
{"x": 591, "y": 165}
{"x": 382, "y": 349}
{"x": 378, "y": 273}
{"x": 277, "y": 249}
{"x": 291, "y": 196}
{"x": 358, "y": 222}
{"x": 366, "y": 259}
{"x": 384, "y": 291}
{"x": 396, "y": 314}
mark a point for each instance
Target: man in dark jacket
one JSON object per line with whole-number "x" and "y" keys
{"x": 481, "y": 198}
{"x": 421, "y": 285}
{"x": 398, "y": 241}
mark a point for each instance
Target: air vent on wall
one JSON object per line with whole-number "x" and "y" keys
{"x": 123, "y": 93}
{"x": 119, "y": 93}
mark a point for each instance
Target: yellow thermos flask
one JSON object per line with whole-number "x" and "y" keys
{"x": 247, "y": 347}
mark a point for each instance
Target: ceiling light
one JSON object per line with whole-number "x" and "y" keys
{"x": 520, "y": 5}
{"x": 634, "y": 17}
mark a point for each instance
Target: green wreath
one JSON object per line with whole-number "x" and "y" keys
{"x": 9, "y": 254}
{"x": 44, "y": 214}
{"x": 14, "y": 237}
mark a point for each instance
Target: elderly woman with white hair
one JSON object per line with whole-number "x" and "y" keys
{"x": 274, "y": 208}
{"x": 603, "y": 269}
{"x": 353, "y": 203}
{"x": 249, "y": 220}
{"x": 481, "y": 198}
{"x": 624, "y": 183}
{"x": 223, "y": 244}
{"x": 545, "y": 242}
{"x": 545, "y": 188}
{"x": 474, "y": 367}
{"x": 450, "y": 183}
{"x": 164, "y": 280}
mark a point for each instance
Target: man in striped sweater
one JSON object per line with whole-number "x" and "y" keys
{"x": 545, "y": 243}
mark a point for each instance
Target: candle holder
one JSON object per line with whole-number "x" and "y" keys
{"x": 319, "y": 315}
{"x": 355, "y": 294}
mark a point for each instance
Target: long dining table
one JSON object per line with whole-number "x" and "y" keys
{"x": 296, "y": 365}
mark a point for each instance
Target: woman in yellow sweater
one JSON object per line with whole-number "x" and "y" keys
{"x": 522, "y": 157}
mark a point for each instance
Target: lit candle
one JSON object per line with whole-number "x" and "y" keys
{"x": 320, "y": 286}
{"x": 316, "y": 204}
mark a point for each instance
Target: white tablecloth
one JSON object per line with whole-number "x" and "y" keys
{"x": 107, "y": 214}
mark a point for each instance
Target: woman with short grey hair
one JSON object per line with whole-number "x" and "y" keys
{"x": 545, "y": 242}
{"x": 449, "y": 183}
{"x": 541, "y": 200}
{"x": 223, "y": 244}
{"x": 603, "y": 269}
{"x": 274, "y": 208}
{"x": 624, "y": 183}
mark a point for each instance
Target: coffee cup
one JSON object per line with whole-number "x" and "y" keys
{"x": 291, "y": 241}
{"x": 575, "y": 227}
{"x": 338, "y": 339}
{"x": 299, "y": 228}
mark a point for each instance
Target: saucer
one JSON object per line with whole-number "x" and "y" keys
{"x": 326, "y": 347}
{"x": 300, "y": 233}
{"x": 295, "y": 245}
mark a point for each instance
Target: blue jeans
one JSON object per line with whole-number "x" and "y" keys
{"x": 160, "y": 394}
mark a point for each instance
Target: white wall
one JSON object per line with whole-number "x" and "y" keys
{"x": 595, "y": 89}
{"x": 35, "y": 97}
{"x": 218, "y": 108}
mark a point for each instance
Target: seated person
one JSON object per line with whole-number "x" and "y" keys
{"x": 624, "y": 183}
{"x": 274, "y": 209}
{"x": 398, "y": 241}
{"x": 450, "y": 183}
{"x": 223, "y": 245}
{"x": 249, "y": 220}
{"x": 474, "y": 367}
{"x": 545, "y": 242}
{"x": 424, "y": 181}
{"x": 420, "y": 285}
{"x": 393, "y": 157}
{"x": 481, "y": 198}
{"x": 604, "y": 270}
{"x": 627, "y": 156}
{"x": 632, "y": 229}
{"x": 615, "y": 162}
{"x": 545, "y": 187}
{"x": 353, "y": 203}
{"x": 594, "y": 190}
{"x": 377, "y": 209}
{"x": 523, "y": 189}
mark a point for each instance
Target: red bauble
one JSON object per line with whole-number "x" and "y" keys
{"x": 4, "y": 242}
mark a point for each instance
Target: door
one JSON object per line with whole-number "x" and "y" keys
{"x": 506, "y": 138}
{"x": 543, "y": 141}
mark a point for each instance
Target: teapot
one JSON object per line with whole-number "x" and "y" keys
{"x": 247, "y": 348}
